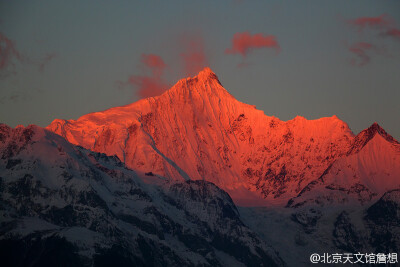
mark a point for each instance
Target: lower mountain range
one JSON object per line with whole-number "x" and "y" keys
{"x": 194, "y": 177}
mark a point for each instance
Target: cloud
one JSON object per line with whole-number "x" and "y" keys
{"x": 154, "y": 62}
{"x": 49, "y": 57}
{"x": 362, "y": 52}
{"x": 380, "y": 22}
{"x": 244, "y": 42}
{"x": 153, "y": 84}
{"x": 8, "y": 53}
{"x": 16, "y": 96}
{"x": 385, "y": 25}
{"x": 395, "y": 33}
{"x": 380, "y": 26}
{"x": 194, "y": 58}
{"x": 147, "y": 86}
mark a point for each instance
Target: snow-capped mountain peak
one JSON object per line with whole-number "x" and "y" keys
{"x": 197, "y": 130}
{"x": 365, "y": 173}
{"x": 368, "y": 134}
{"x": 207, "y": 74}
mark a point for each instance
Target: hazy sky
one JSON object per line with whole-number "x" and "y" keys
{"x": 63, "y": 59}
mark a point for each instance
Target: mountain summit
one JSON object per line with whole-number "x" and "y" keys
{"x": 197, "y": 130}
{"x": 370, "y": 168}
{"x": 366, "y": 135}
{"x": 207, "y": 74}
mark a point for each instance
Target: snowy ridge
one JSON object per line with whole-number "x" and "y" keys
{"x": 152, "y": 183}
{"x": 370, "y": 168}
{"x": 62, "y": 203}
{"x": 365, "y": 136}
{"x": 210, "y": 135}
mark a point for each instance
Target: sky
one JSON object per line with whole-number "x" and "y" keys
{"x": 64, "y": 59}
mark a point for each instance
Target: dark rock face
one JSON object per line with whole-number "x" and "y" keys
{"x": 345, "y": 234}
{"x": 386, "y": 211}
{"x": 373, "y": 228}
{"x": 380, "y": 227}
{"x": 206, "y": 203}
{"x": 383, "y": 220}
{"x": 307, "y": 218}
{"x": 64, "y": 205}
{"x": 39, "y": 250}
{"x": 362, "y": 138}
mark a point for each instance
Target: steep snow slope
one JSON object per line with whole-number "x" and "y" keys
{"x": 198, "y": 130}
{"x": 370, "y": 168}
{"x": 65, "y": 205}
{"x": 297, "y": 233}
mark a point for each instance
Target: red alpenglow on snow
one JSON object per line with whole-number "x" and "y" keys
{"x": 361, "y": 49}
{"x": 382, "y": 21}
{"x": 152, "y": 85}
{"x": 244, "y": 42}
{"x": 258, "y": 159}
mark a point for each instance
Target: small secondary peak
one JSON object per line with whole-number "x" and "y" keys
{"x": 366, "y": 135}
{"x": 374, "y": 129}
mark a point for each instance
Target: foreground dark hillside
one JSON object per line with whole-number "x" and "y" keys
{"x": 62, "y": 205}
